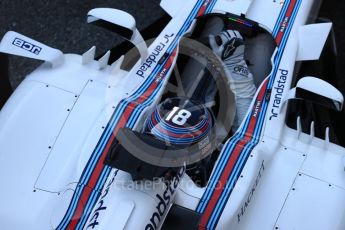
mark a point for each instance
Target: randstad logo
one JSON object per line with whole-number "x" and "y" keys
{"x": 278, "y": 95}
{"x": 164, "y": 201}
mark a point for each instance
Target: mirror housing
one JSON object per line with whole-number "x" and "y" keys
{"x": 317, "y": 91}
{"x": 119, "y": 22}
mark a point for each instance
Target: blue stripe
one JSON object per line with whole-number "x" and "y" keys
{"x": 212, "y": 184}
{"x": 86, "y": 172}
{"x": 96, "y": 193}
{"x": 99, "y": 149}
{"x": 164, "y": 128}
{"x": 221, "y": 202}
{"x": 221, "y": 164}
{"x": 224, "y": 195}
{"x": 79, "y": 189}
{"x": 224, "y": 159}
{"x": 280, "y": 18}
{"x": 175, "y": 130}
{"x": 94, "y": 197}
{"x": 286, "y": 36}
{"x": 238, "y": 168}
{"x": 237, "y": 171}
{"x": 209, "y": 9}
{"x": 172, "y": 46}
{"x": 252, "y": 144}
{"x": 75, "y": 199}
{"x": 177, "y": 138}
{"x": 150, "y": 79}
{"x": 117, "y": 114}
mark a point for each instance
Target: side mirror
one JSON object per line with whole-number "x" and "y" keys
{"x": 319, "y": 92}
{"x": 119, "y": 22}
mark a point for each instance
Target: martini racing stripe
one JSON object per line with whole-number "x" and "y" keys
{"x": 125, "y": 115}
{"x": 237, "y": 138}
{"x": 242, "y": 132}
{"x": 77, "y": 221}
{"x": 280, "y": 18}
{"x": 285, "y": 24}
{"x": 238, "y": 149}
{"x": 239, "y": 155}
{"x": 229, "y": 163}
{"x": 129, "y": 110}
{"x": 169, "y": 50}
{"x": 210, "y": 8}
{"x": 173, "y": 46}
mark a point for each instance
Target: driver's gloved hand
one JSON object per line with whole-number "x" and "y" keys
{"x": 229, "y": 46}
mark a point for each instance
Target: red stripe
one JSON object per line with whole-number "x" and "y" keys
{"x": 251, "y": 128}
{"x": 220, "y": 187}
{"x": 202, "y": 11}
{"x": 284, "y": 27}
{"x": 79, "y": 212}
{"x": 203, "y": 8}
{"x": 221, "y": 184}
{"x": 99, "y": 167}
{"x": 97, "y": 171}
{"x": 147, "y": 93}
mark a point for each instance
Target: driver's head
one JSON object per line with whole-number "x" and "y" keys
{"x": 182, "y": 122}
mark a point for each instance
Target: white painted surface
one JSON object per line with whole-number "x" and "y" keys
{"x": 77, "y": 139}
{"x": 313, "y": 204}
{"x": 36, "y": 117}
{"x": 114, "y": 16}
{"x": 30, "y": 122}
{"x": 311, "y": 40}
{"x": 269, "y": 197}
{"x": 237, "y": 7}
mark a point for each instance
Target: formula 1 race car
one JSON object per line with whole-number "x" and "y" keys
{"x": 222, "y": 121}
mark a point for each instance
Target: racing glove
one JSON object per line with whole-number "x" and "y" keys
{"x": 229, "y": 46}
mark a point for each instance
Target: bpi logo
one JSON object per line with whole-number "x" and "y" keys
{"x": 27, "y": 46}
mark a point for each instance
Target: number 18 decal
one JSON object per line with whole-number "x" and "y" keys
{"x": 180, "y": 118}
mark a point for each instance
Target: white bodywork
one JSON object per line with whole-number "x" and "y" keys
{"x": 52, "y": 123}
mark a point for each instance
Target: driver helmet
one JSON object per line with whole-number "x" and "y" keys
{"x": 184, "y": 123}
